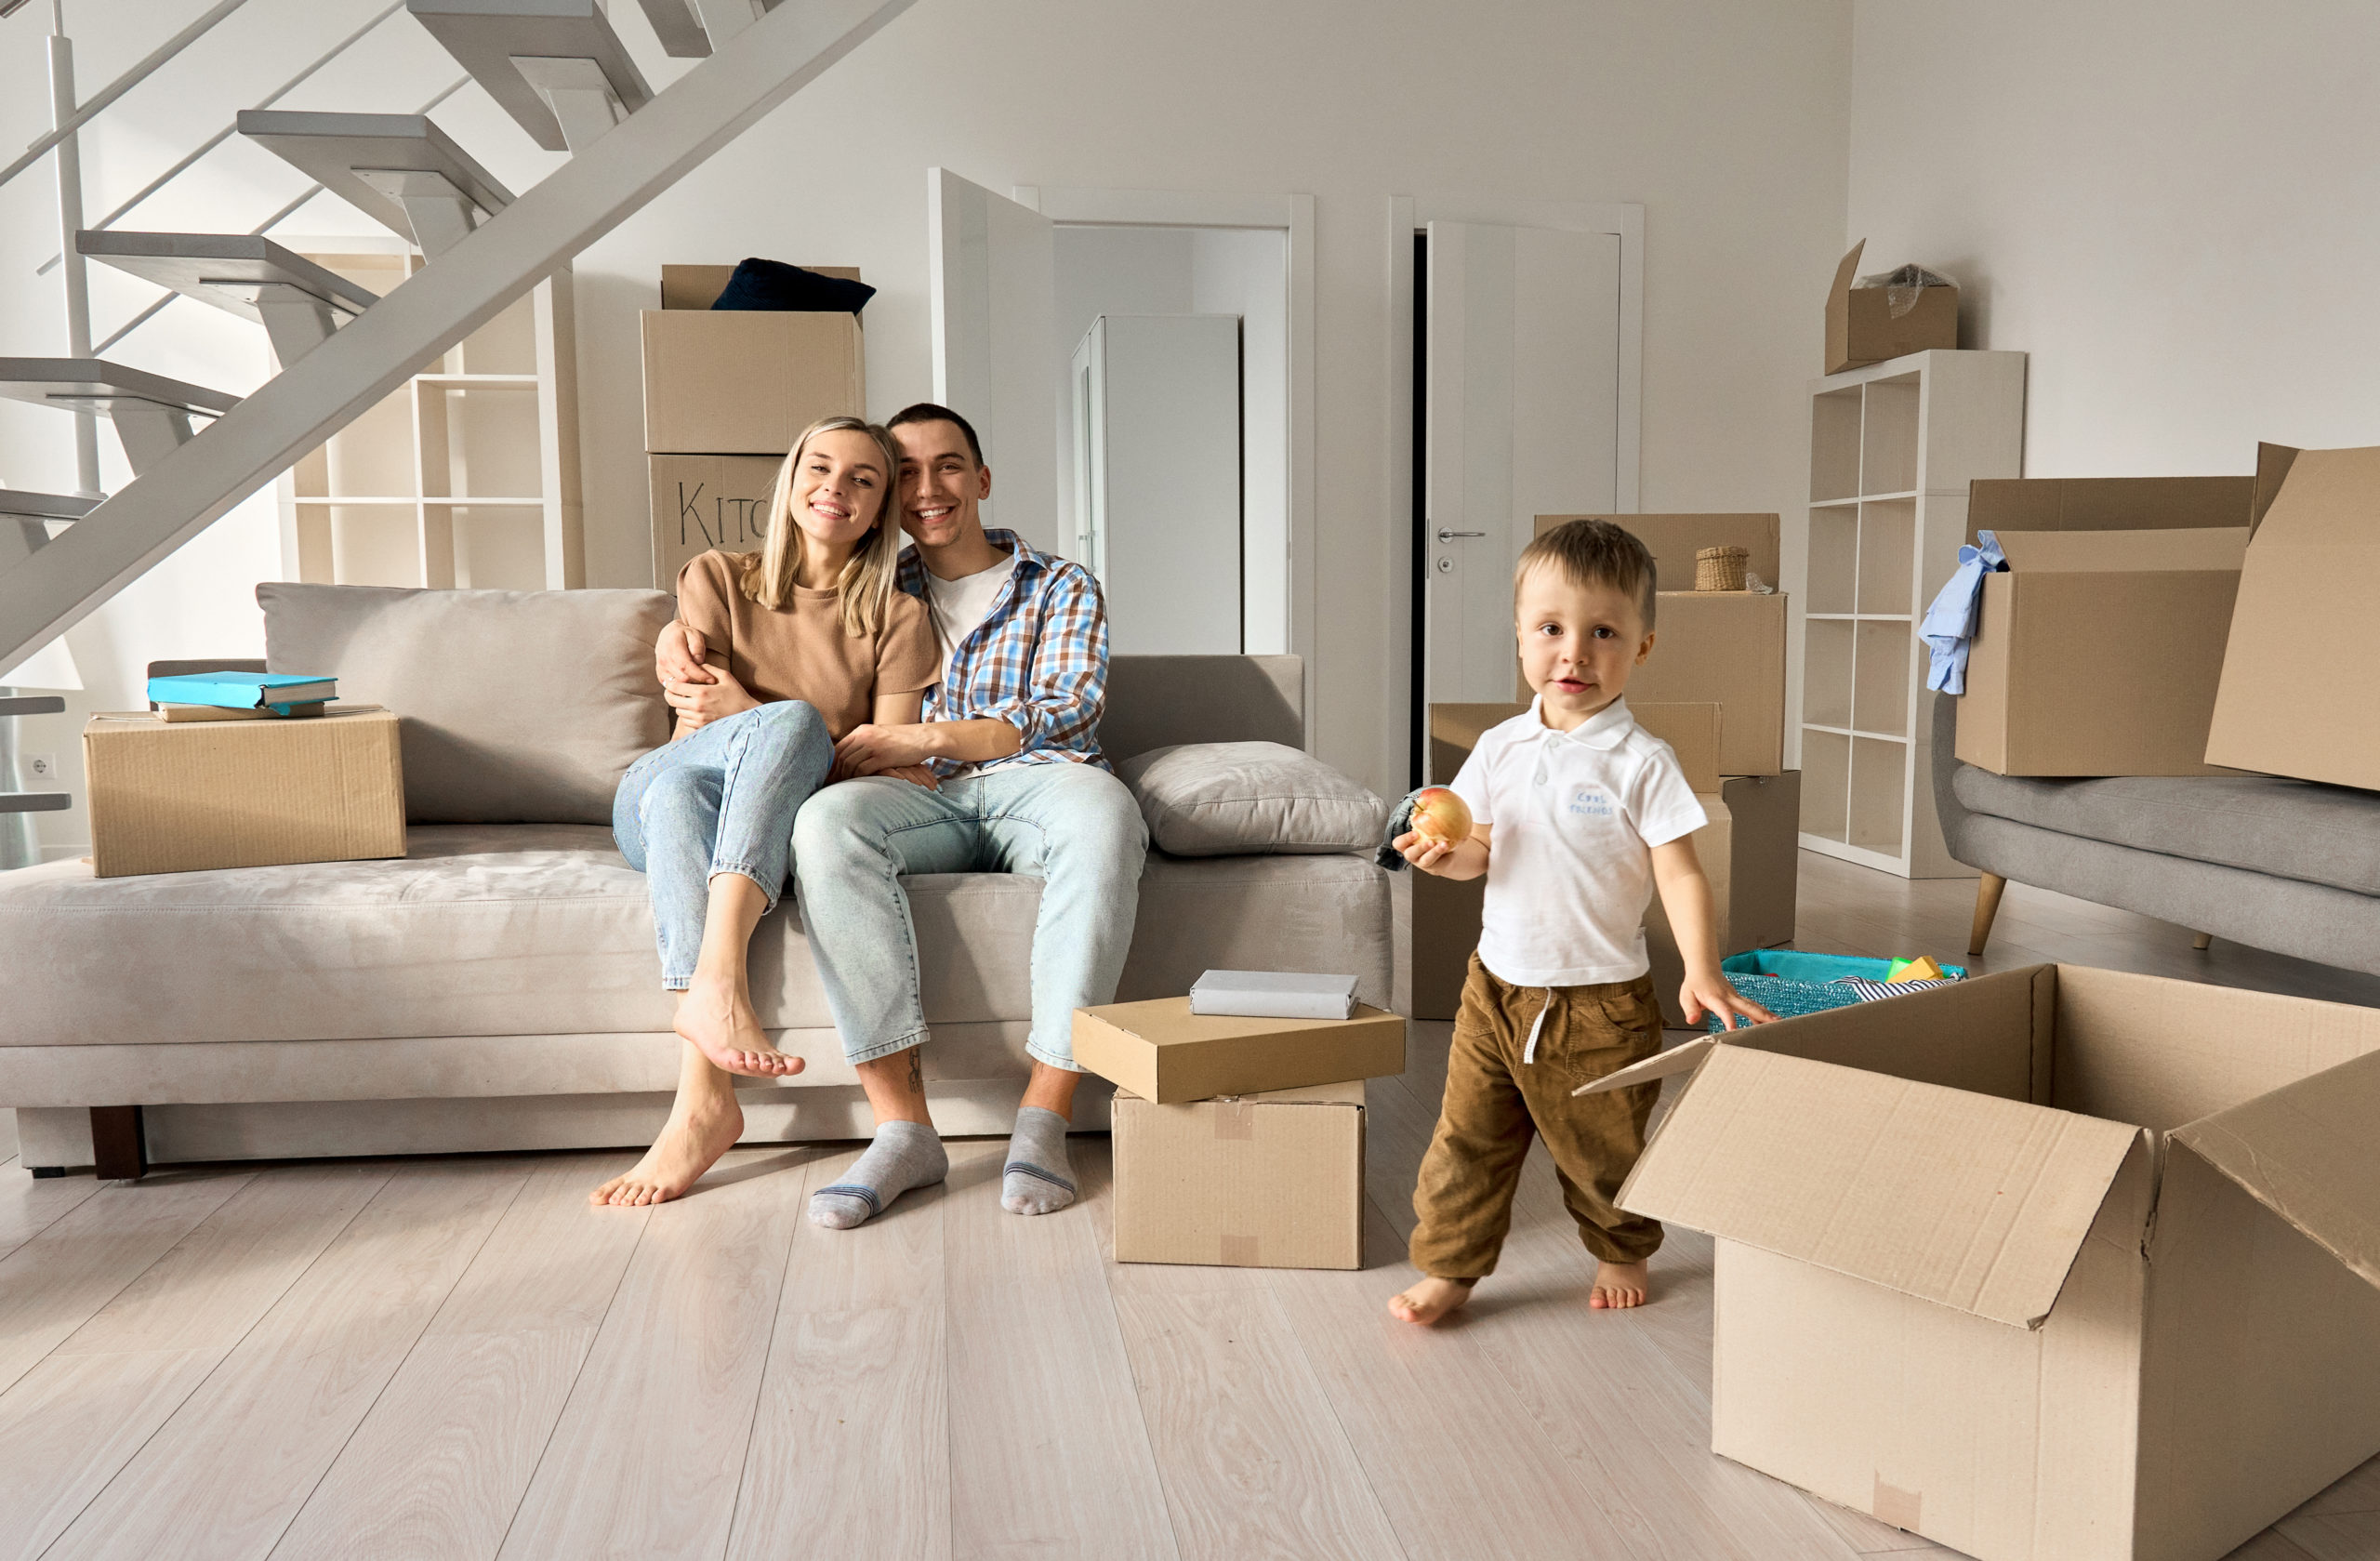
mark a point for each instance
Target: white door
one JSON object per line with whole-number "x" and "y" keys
{"x": 1522, "y": 404}
{"x": 995, "y": 345}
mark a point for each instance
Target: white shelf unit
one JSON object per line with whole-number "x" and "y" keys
{"x": 1893, "y": 447}
{"x": 468, "y": 475}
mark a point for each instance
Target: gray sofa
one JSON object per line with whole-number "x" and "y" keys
{"x": 2284, "y": 865}
{"x": 497, "y": 987}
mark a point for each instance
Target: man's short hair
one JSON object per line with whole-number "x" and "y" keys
{"x": 930, "y": 412}
{"x": 1590, "y": 552}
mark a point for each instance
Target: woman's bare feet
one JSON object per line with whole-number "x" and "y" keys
{"x": 701, "y": 1128}
{"x": 1428, "y": 1299}
{"x": 1618, "y": 1285}
{"x": 717, "y": 1019}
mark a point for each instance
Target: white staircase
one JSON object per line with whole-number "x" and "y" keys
{"x": 558, "y": 68}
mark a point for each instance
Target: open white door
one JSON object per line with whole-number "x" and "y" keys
{"x": 995, "y": 345}
{"x": 1522, "y": 389}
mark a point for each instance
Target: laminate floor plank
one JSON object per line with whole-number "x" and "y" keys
{"x": 57, "y": 1280}
{"x": 647, "y": 1456}
{"x": 31, "y": 1204}
{"x": 1049, "y": 1452}
{"x": 439, "y": 1465}
{"x": 227, "y": 1472}
{"x": 851, "y": 1444}
{"x": 70, "y": 1422}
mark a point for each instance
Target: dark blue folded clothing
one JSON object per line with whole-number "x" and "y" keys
{"x": 773, "y": 284}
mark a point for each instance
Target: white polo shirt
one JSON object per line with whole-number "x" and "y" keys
{"x": 1575, "y": 815}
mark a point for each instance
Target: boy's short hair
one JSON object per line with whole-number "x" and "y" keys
{"x": 930, "y": 412}
{"x": 1592, "y": 552}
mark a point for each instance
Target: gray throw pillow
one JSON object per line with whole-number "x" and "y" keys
{"x": 515, "y": 707}
{"x": 1249, "y": 798}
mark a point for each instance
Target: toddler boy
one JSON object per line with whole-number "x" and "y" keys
{"x": 1578, "y": 813}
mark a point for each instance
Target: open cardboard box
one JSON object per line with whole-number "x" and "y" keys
{"x": 2296, "y": 695}
{"x": 1860, "y": 328}
{"x": 2054, "y": 1265}
{"x": 744, "y": 382}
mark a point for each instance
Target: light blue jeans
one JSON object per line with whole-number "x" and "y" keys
{"x": 719, "y": 800}
{"x": 1074, "y": 826}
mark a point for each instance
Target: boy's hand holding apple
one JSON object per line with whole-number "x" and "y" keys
{"x": 1442, "y": 826}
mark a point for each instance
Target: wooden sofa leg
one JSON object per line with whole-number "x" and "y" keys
{"x": 2202, "y": 941}
{"x": 1987, "y": 906}
{"x": 118, "y": 1151}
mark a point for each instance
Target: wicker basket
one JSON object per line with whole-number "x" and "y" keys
{"x": 1719, "y": 568}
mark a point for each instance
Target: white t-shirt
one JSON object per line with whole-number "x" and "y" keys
{"x": 1575, "y": 815}
{"x": 959, "y": 606}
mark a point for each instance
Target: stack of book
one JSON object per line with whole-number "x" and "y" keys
{"x": 241, "y": 695}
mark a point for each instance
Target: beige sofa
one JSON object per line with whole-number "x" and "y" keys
{"x": 497, "y": 987}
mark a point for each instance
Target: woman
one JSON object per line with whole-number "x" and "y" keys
{"x": 807, "y": 638}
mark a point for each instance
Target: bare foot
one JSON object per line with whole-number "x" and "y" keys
{"x": 1618, "y": 1285}
{"x": 1428, "y": 1299}
{"x": 719, "y": 1021}
{"x": 698, "y": 1132}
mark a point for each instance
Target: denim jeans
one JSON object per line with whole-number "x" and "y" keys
{"x": 1074, "y": 826}
{"x": 719, "y": 800}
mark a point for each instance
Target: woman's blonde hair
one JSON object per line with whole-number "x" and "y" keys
{"x": 865, "y": 585}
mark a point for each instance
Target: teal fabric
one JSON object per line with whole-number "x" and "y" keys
{"x": 1794, "y": 965}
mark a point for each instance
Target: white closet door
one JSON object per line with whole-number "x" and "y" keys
{"x": 995, "y": 344}
{"x": 1523, "y": 419}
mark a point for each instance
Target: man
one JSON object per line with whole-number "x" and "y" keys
{"x": 1004, "y": 775}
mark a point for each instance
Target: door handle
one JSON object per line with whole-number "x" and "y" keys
{"x": 1451, "y": 535}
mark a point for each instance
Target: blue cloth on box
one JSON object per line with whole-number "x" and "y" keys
{"x": 773, "y": 284}
{"x": 1949, "y": 625}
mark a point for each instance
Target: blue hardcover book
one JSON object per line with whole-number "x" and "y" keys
{"x": 277, "y": 692}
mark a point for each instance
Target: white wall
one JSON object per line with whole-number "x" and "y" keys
{"x": 1727, "y": 121}
{"x": 2171, "y": 204}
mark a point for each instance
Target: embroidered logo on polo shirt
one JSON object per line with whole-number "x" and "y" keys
{"x": 1591, "y": 801}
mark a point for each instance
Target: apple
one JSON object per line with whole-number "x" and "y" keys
{"x": 1440, "y": 816}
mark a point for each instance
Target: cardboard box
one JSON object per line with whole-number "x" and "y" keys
{"x": 2054, "y": 1265}
{"x": 177, "y": 797}
{"x": 1728, "y": 648}
{"x": 1265, "y": 1181}
{"x": 2095, "y": 656}
{"x": 1860, "y": 328}
{"x": 1691, "y": 731}
{"x": 1163, "y": 1052}
{"x": 1675, "y": 539}
{"x": 2296, "y": 697}
{"x": 701, "y": 502}
{"x": 744, "y": 382}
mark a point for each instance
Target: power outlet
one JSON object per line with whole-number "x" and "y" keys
{"x": 40, "y": 769}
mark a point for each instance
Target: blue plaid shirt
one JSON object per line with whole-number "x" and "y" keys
{"x": 1037, "y": 661}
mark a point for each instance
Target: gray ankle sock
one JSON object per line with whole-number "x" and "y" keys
{"x": 905, "y": 1155}
{"x": 1039, "y": 1179}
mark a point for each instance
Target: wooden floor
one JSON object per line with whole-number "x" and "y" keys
{"x": 455, "y": 1358}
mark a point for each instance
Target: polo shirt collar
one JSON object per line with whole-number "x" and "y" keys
{"x": 1602, "y": 731}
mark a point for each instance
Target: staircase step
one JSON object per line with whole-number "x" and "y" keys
{"x": 297, "y": 302}
{"x": 35, "y": 801}
{"x": 18, "y": 503}
{"x": 31, "y": 705}
{"x": 692, "y": 28}
{"x": 90, "y": 384}
{"x": 399, "y": 169}
{"x": 555, "y": 66}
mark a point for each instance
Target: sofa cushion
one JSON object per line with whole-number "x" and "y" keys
{"x": 515, "y": 705}
{"x": 526, "y": 929}
{"x": 1236, "y": 799}
{"x": 2289, "y": 828}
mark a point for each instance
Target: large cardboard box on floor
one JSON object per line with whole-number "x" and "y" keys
{"x": 2093, "y": 654}
{"x": 1861, "y": 327}
{"x": 701, "y": 502}
{"x": 1750, "y": 852}
{"x": 1161, "y": 1052}
{"x": 1675, "y": 539}
{"x": 744, "y": 382}
{"x": 2296, "y": 696}
{"x": 177, "y": 797}
{"x": 2054, "y": 1265}
{"x": 1265, "y": 1181}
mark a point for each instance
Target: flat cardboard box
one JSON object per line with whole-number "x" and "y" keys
{"x": 2094, "y": 655}
{"x": 1726, "y": 648}
{"x": 701, "y": 502}
{"x": 2295, "y": 697}
{"x": 2052, "y": 1265}
{"x": 1163, "y": 1052}
{"x": 1675, "y": 539}
{"x": 1859, "y": 325}
{"x": 744, "y": 382}
{"x": 177, "y": 797}
{"x": 1273, "y": 1180}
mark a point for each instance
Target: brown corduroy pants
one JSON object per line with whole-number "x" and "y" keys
{"x": 1494, "y": 1101}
